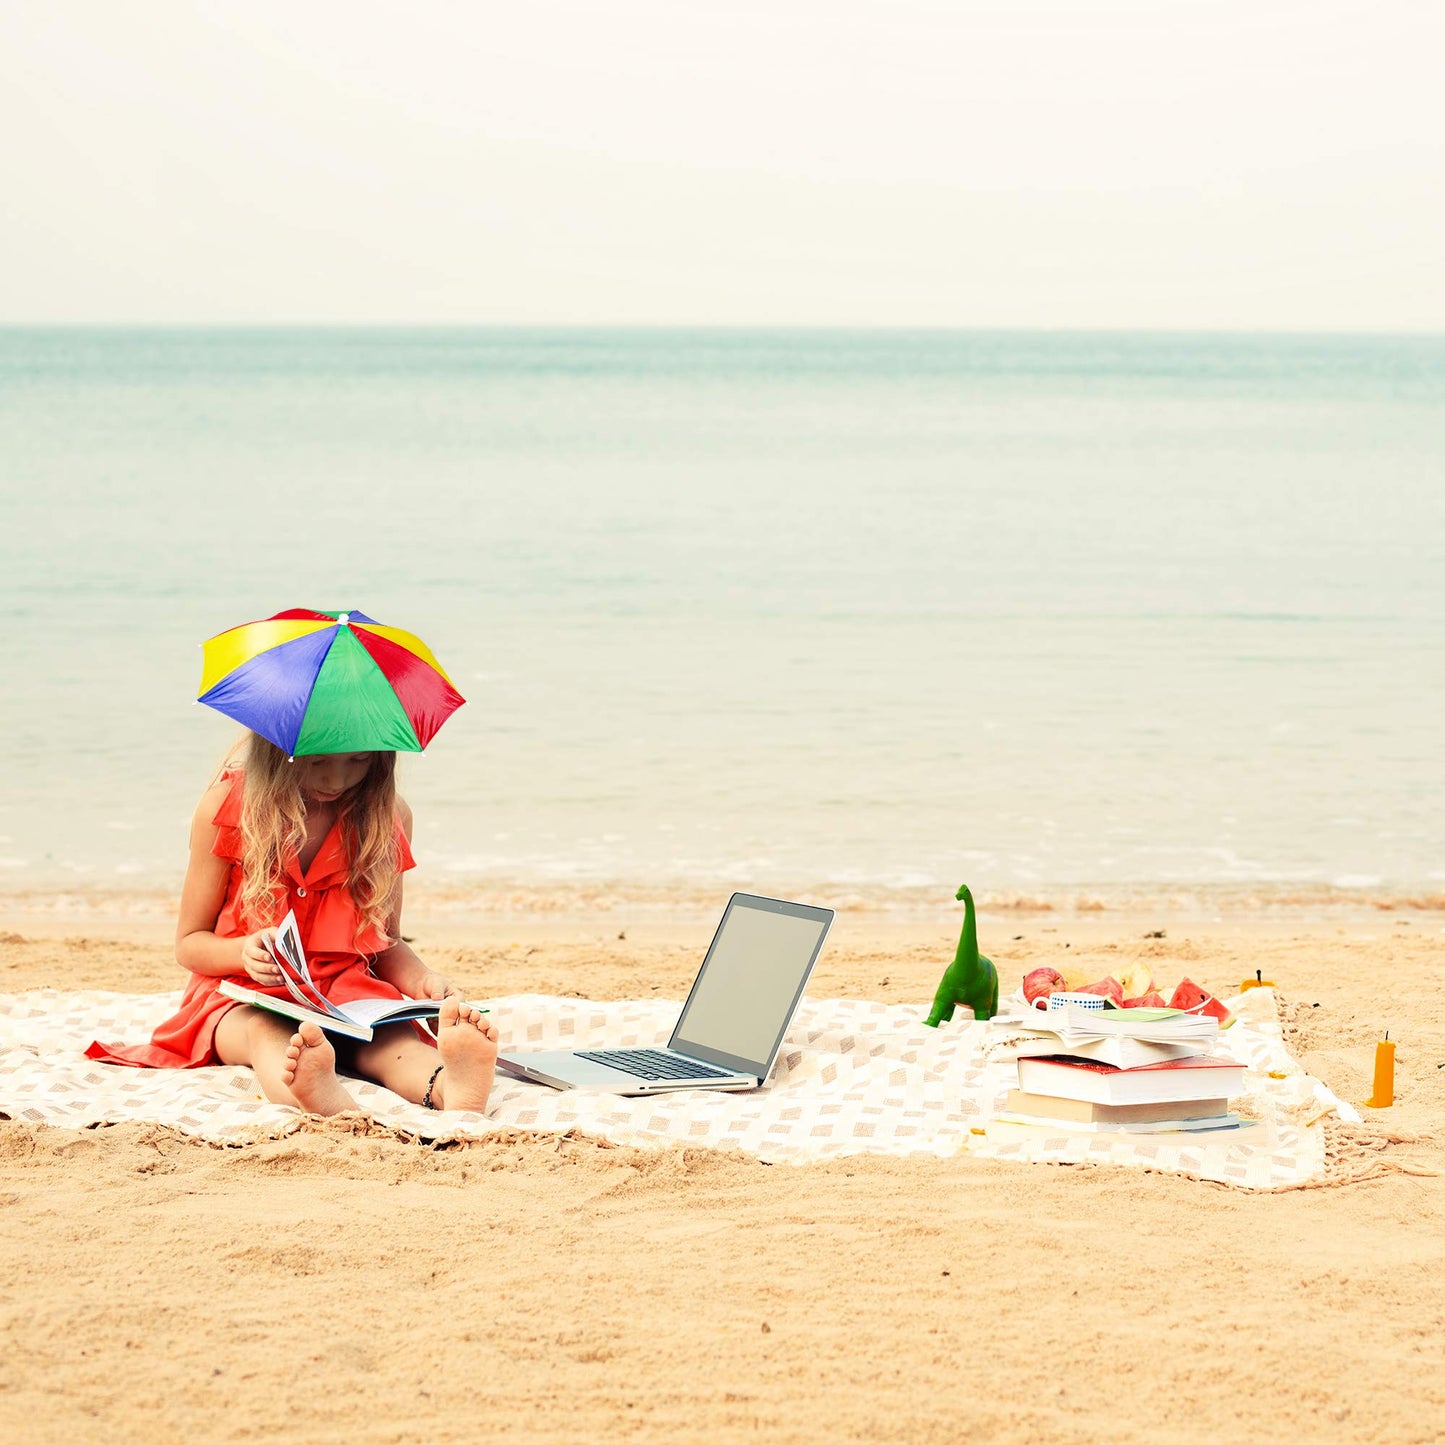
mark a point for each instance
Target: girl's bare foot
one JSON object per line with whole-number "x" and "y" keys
{"x": 468, "y": 1046}
{"x": 310, "y": 1073}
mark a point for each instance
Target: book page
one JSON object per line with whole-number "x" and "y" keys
{"x": 288, "y": 941}
{"x": 1121, "y": 1052}
{"x": 291, "y": 960}
{"x": 370, "y": 1010}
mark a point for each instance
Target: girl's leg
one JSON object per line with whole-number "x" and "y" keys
{"x": 466, "y": 1051}
{"x": 297, "y": 1068}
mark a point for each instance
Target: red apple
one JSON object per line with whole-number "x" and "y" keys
{"x": 1109, "y": 988}
{"x": 1148, "y": 1000}
{"x": 1039, "y": 984}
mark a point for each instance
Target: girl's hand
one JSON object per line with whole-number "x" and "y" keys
{"x": 256, "y": 957}
{"x": 433, "y": 985}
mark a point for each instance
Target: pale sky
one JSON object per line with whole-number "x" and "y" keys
{"x": 1042, "y": 163}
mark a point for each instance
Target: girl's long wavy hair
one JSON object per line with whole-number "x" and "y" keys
{"x": 273, "y": 825}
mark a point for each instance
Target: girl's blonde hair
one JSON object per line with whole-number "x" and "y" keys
{"x": 273, "y": 825}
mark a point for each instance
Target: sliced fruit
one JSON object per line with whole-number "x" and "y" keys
{"x": 1110, "y": 988}
{"x": 1135, "y": 979}
{"x": 1147, "y": 1000}
{"x": 1195, "y": 1000}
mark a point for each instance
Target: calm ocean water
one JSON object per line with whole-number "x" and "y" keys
{"x": 819, "y": 611}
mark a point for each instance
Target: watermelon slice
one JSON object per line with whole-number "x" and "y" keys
{"x": 1147, "y": 1000}
{"x": 1109, "y": 988}
{"x": 1194, "y": 1000}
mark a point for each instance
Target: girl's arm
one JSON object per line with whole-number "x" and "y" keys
{"x": 399, "y": 964}
{"x": 202, "y": 894}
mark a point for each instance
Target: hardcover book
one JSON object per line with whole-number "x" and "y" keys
{"x": 1083, "y": 1111}
{"x": 1201, "y": 1076}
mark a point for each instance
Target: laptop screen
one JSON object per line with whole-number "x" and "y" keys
{"x": 750, "y": 982}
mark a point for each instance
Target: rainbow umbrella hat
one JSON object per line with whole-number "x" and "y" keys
{"x": 328, "y": 682}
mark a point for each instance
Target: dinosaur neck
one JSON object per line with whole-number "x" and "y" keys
{"x": 967, "y": 953}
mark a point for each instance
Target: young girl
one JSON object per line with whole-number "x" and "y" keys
{"x": 328, "y": 838}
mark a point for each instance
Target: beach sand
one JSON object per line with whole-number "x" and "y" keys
{"x": 340, "y": 1284}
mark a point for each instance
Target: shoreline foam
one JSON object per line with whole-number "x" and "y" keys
{"x": 527, "y": 898}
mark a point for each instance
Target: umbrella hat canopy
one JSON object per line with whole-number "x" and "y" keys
{"x": 328, "y": 682}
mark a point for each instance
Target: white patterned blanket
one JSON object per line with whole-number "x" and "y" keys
{"x": 852, "y": 1078}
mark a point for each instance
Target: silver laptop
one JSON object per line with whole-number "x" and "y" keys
{"x": 733, "y": 1022}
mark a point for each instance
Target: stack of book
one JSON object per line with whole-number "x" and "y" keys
{"x": 1122, "y": 1071}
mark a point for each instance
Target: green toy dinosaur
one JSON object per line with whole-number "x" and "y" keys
{"x": 970, "y": 979}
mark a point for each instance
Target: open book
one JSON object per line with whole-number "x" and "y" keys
{"x": 1122, "y": 1051}
{"x": 1153, "y": 1025}
{"x": 357, "y": 1019}
{"x": 1126, "y": 1038}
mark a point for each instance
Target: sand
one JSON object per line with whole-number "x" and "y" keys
{"x": 343, "y": 1285}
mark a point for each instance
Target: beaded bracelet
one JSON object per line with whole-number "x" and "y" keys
{"x": 426, "y": 1102}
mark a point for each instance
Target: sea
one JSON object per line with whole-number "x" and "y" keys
{"x": 856, "y": 616}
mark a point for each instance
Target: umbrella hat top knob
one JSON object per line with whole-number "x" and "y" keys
{"x": 344, "y": 618}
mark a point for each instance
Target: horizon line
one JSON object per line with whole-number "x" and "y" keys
{"x": 724, "y": 327}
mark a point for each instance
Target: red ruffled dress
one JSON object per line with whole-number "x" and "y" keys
{"x": 339, "y": 959}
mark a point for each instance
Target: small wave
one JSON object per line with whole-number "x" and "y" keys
{"x": 140, "y": 894}
{"x": 916, "y": 900}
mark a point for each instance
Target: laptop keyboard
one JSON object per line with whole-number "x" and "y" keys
{"x": 653, "y": 1064}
